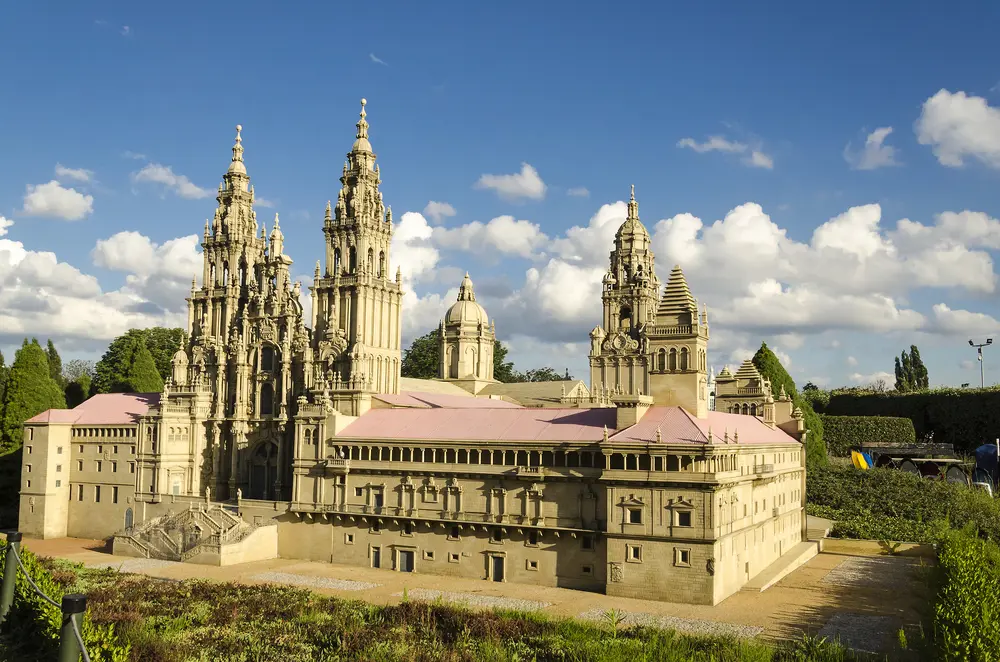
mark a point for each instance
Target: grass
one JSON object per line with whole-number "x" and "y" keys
{"x": 168, "y": 621}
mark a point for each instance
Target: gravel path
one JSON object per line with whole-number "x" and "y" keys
{"x": 313, "y": 582}
{"x": 685, "y": 625}
{"x": 475, "y": 599}
{"x": 134, "y": 565}
{"x": 876, "y": 572}
{"x": 868, "y": 634}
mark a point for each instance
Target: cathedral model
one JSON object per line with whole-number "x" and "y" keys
{"x": 281, "y": 435}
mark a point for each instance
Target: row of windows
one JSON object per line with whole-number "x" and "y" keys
{"x": 100, "y": 449}
{"x": 97, "y": 493}
{"x": 531, "y": 537}
{"x": 98, "y": 466}
{"x": 104, "y": 432}
{"x": 681, "y": 518}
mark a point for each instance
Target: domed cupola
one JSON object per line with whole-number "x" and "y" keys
{"x": 466, "y": 310}
{"x": 466, "y": 342}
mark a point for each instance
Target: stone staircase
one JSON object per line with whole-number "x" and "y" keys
{"x": 206, "y": 534}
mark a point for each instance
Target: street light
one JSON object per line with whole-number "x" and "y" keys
{"x": 979, "y": 352}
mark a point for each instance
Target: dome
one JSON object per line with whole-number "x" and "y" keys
{"x": 632, "y": 228}
{"x": 466, "y": 310}
{"x": 361, "y": 145}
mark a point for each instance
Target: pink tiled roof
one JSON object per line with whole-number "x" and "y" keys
{"x": 102, "y": 409}
{"x": 678, "y": 426}
{"x": 487, "y": 424}
{"x": 441, "y": 400}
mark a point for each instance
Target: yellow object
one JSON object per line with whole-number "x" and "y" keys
{"x": 859, "y": 460}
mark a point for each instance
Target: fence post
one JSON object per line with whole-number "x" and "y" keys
{"x": 73, "y": 607}
{"x": 9, "y": 573}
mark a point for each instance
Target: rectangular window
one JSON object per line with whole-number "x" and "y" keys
{"x": 684, "y": 518}
{"x": 58, "y": 483}
{"x": 79, "y": 492}
{"x": 114, "y": 449}
{"x": 453, "y": 557}
{"x": 496, "y": 535}
{"x": 58, "y": 468}
{"x": 682, "y": 557}
{"x": 359, "y": 491}
{"x": 27, "y": 483}
{"x": 132, "y": 450}
{"x": 27, "y": 468}
{"x": 349, "y": 538}
{"x": 29, "y": 449}
{"x": 376, "y": 527}
{"x": 407, "y": 528}
{"x": 31, "y": 434}
{"x": 58, "y": 450}
{"x": 532, "y": 565}
{"x": 532, "y": 538}
{"x": 588, "y": 570}
{"x": 428, "y": 555}
{"x": 97, "y": 463}
{"x": 633, "y": 553}
{"x": 81, "y": 448}
{"x": 97, "y": 493}
{"x": 635, "y": 515}
{"x": 114, "y": 466}
{"x": 587, "y": 542}
{"x": 100, "y": 449}
{"x": 131, "y": 467}
{"x": 79, "y": 465}
{"x": 114, "y": 494}
{"x": 453, "y": 534}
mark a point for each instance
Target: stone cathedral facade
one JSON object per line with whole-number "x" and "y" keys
{"x": 281, "y": 433}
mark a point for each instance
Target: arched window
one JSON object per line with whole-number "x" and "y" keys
{"x": 684, "y": 359}
{"x": 753, "y": 409}
{"x": 746, "y": 408}
{"x": 662, "y": 360}
{"x": 225, "y": 274}
{"x": 211, "y": 276}
{"x": 243, "y": 273}
{"x": 673, "y": 359}
{"x": 353, "y": 260}
{"x": 381, "y": 264}
{"x": 371, "y": 261}
{"x": 336, "y": 260}
{"x": 266, "y": 400}
{"x": 267, "y": 358}
{"x": 625, "y": 319}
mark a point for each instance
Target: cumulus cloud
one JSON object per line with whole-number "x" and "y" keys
{"x": 5, "y": 225}
{"x": 963, "y": 322}
{"x": 957, "y": 126}
{"x": 873, "y": 378}
{"x": 578, "y": 192}
{"x": 519, "y": 186}
{"x": 159, "y": 273}
{"x": 503, "y": 234}
{"x": 52, "y": 200}
{"x": 438, "y": 211}
{"x": 78, "y": 174}
{"x": 753, "y": 157}
{"x": 155, "y": 173}
{"x": 411, "y": 249}
{"x": 874, "y": 154}
{"x": 264, "y": 202}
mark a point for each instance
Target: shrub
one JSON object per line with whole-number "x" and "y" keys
{"x": 967, "y": 604}
{"x": 965, "y": 418}
{"x": 874, "y": 503}
{"x": 845, "y": 432}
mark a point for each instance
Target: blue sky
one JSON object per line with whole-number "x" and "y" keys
{"x": 593, "y": 96}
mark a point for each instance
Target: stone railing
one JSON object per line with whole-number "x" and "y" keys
{"x": 138, "y": 546}
{"x": 749, "y": 390}
{"x": 763, "y": 468}
{"x": 678, "y": 330}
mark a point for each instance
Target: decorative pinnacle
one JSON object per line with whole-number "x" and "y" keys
{"x": 362, "y": 123}
{"x": 238, "y": 146}
{"x": 659, "y": 435}
{"x": 317, "y": 269}
{"x": 632, "y": 196}
{"x": 605, "y": 433}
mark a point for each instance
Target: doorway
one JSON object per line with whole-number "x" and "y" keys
{"x": 376, "y": 557}
{"x": 128, "y": 519}
{"x": 263, "y": 471}
{"x": 497, "y": 568}
{"x": 405, "y": 560}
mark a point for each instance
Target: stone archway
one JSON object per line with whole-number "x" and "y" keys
{"x": 263, "y": 471}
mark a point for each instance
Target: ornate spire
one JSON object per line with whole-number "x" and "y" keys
{"x": 237, "y": 163}
{"x": 633, "y": 206}
{"x": 362, "y": 144}
{"x": 465, "y": 291}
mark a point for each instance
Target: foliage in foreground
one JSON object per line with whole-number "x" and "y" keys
{"x": 884, "y": 504}
{"x": 165, "y": 621}
{"x": 967, "y": 605}
{"x": 137, "y": 362}
{"x": 842, "y": 433}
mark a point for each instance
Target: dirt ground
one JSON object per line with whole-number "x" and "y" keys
{"x": 850, "y": 591}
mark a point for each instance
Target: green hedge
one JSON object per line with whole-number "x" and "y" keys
{"x": 965, "y": 418}
{"x": 842, "y": 433}
{"x": 877, "y": 504}
{"x": 35, "y": 623}
{"x": 967, "y": 604}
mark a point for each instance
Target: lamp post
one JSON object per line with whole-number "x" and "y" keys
{"x": 979, "y": 353}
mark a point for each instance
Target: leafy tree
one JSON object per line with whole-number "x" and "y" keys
{"x": 77, "y": 390}
{"x": 4, "y": 371}
{"x": 420, "y": 361}
{"x": 111, "y": 374}
{"x": 142, "y": 375}
{"x": 911, "y": 373}
{"x": 770, "y": 368}
{"x": 30, "y": 391}
{"x": 544, "y": 375}
{"x": 55, "y": 362}
{"x": 74, "y": 368}
{"x": 809, "y": 387}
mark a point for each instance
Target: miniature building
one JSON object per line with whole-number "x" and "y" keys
{"x": 279, "y": 435}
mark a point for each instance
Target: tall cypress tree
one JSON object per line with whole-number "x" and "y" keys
{"x": 920, "y": 378}
{"x": 142, "y": 375}
{"x": 30, "y": 391}
{"x": 55, "y": 362}
{"x": 769, "y": 366}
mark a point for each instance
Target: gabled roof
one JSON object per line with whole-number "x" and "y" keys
{"x": 676, "y": 425}
{"x": 440, "y": 400}
{"x": 102, "y": 409}
{"x": 534, "y": 394}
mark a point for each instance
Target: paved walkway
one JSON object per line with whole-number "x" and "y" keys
{"x": 853, "y": 590}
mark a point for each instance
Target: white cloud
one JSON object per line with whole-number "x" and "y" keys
{"x": 78, "y": 174}
{"x": 754, "y": 157}
{"x": 873, "y": 378}
{"x": 967, "y": 365}
{"x": 160, "y": 174}
{"x": 578, "y": 192}
{"x": 411, "y": 248}
{"x": 521, "y": 185}
{"x": 875, "y": 153}
{"x": 159, "y": 273}
{"x": 741, "y": 354}
{"x": 5, "y": 225}
{"x": 264, "y": 202}
{"x": 958, "y": 126}
{"x": 438, "y": 211}
{"x": 791, "y": 340}
{"x": 377, "y": 60}
{"x": 963, "y": 322}
{"x": 851, "y": 361}
{"x": 504, "y": 234}
{"x": 54, "y": 201}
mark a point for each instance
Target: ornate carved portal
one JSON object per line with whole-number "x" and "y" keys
{"x": 263, "y": 471}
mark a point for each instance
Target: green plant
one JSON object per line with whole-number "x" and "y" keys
{"x": 614, "y": 618}
{"x": 967, "y": 604}
{"x": 889, "y": 548}
{"x": 842, "y": 433}
{"x": 901, "y": 639}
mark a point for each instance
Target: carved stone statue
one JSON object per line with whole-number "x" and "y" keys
{"x": 239, "y": 494}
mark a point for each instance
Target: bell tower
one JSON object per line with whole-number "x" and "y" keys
{"x": 356, "y": 304}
